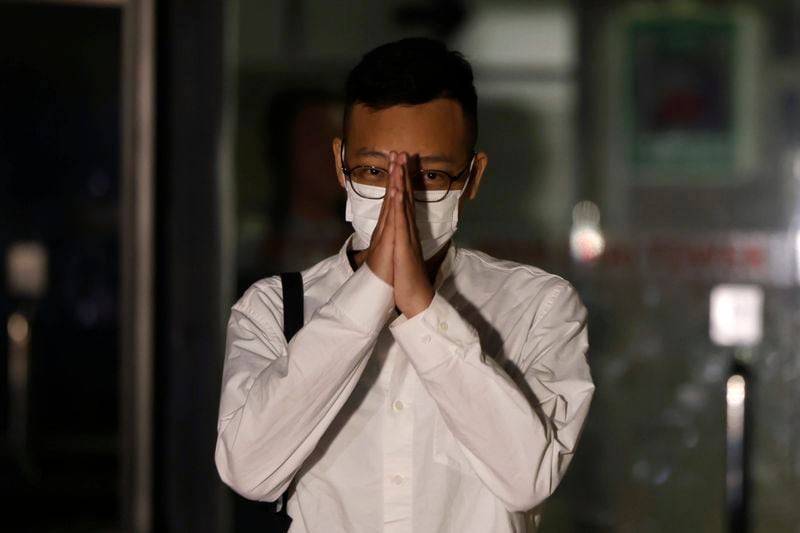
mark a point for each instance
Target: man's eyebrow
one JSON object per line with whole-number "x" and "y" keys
{"x": 430, "y": 158}
{"x": 372, "y": 153}
{"x": 436, "y": 158}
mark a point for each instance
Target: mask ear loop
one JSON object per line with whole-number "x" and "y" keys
{"x": 463, "y": 189}
{"x": 348, "y": 207}
{"x": 469, "y": 173}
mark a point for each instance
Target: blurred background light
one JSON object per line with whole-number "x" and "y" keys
{"x": 736, "y": 315}
{"x": 735, "y": 391}
{"x": 797, "y": 254}
{"x": 26, "y": 264}
{"x": 586, "y": 240}
{"x": 523, "y": 35}
{"x": 18, "y": 328}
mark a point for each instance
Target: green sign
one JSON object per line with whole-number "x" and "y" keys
{"x": 681, "y": 99}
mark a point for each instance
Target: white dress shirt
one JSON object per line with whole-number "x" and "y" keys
{"x": 461, "y": 419}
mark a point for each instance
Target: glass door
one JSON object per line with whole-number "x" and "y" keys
{"x": 60, "y": 163}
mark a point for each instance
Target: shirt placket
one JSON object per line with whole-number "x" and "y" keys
{"x": 398, "y": 432}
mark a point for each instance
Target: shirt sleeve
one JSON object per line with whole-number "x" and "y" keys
{"x": 518, "y": 434}
{"x": 277, "y": 400}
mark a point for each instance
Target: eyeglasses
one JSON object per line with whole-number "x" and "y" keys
{"x": 429, "y": 186}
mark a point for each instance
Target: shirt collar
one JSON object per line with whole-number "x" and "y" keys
{"x": 447, "y": 266}
{"x": 445, "y": 269}
{"x": 342, "y": 260}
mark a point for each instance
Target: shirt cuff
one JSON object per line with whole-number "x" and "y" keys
{"x": 365, "y": 299}
{"x": 434, "y": 336}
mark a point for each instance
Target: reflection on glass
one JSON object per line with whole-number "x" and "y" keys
{"x": 18, "y": 329}
{"x": 586, "y": 240}
{"x": 735, "y": 475}
{"x": 671, "y": 118}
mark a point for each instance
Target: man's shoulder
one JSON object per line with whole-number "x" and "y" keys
{"x": 493, "y": 269}
{"x": 267, "y": 293}
{"x": 516, "y": 282}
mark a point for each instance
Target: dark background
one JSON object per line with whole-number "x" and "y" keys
{"x": 687, "y": 149}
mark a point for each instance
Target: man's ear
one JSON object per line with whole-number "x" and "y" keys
{"x": 337, "y": 159}
{"x": 481, "y": 160}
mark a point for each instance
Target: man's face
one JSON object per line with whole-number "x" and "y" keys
{"x": 436, "y": 132}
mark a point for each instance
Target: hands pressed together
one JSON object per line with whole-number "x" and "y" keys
{"x": 394, "y": 253}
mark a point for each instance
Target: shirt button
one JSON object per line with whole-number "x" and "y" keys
{"x": 397, "y": 479}
{"x": 426, "y": 339}
{"x": 443, "y": 325}
{"x": 398, "y": 406}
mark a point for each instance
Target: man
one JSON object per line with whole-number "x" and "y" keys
{"x": 432, "y": 388}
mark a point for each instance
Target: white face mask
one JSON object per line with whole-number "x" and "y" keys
{"x": 436, "y": 221}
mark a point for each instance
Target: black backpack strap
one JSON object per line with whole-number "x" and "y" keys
{"x": 292, "y": 303}
{"x": 272, "y": 516}
{"x": 292, "y": 284}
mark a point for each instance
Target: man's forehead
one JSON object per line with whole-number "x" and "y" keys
{"x": 435, "y": 130}
{"x": 426, "y": 157}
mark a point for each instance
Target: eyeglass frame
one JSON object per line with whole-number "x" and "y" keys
{"x": 349, "y": 171}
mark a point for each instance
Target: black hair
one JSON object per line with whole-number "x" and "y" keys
{"x": 412, "y": 71}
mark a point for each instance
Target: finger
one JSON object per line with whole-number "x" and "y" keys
{"x": 382, "y": 217}
{"x": 400, "y": 242}
{"x": 398, "y": 185}
{"x": 402, "y": 178}
{"x": 402, "y": 225}
{"x": 412, "y": 168}
{"x": 392, "y": 164}
{"x": 391, "y": 218}
{"x": 402, "y": 184}
{"x": 395, "y": 187}
{"x": 408, "y": 169}
{"x": 397, "y": 175}
{"x": 386, "y": 204}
